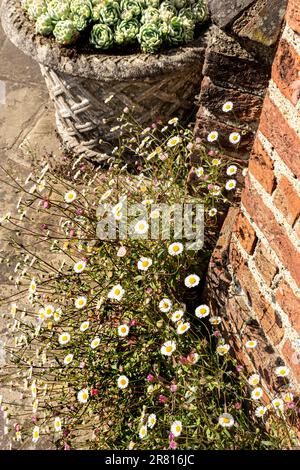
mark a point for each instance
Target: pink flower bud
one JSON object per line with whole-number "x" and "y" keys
{"x": 162, "y": 399}
{"x": 173, "y": 445}
{"x": 46, "y": 204}
{"x": 173, "y": 388}
{"x": 150, "y": 377}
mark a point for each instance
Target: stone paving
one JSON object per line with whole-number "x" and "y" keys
{"x": 26, "y": 121}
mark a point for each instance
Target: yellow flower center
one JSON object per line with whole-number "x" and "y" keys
{"x": 169, "y": 349}
{"x": 123, "y": 329}
{"x": 117, "y": 291}
{"x": 178, "y": 428}
{"x": 176, "y": 248}
{"x": 145, "y": 264}
{"x": 226, "y": 420}
{"x": 122, "y": 381}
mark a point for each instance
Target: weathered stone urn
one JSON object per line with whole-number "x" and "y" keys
{"x": 79, "y": 83}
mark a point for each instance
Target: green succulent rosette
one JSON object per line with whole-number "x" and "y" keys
{"x": 150, "y": 3}
{"x": 110, "y": 13}
{"x": 58, "y": 9}
{"x": 188, "y": 18}
{"x": 36, "y": 8}
{"x": 130, "y": 9}
{"x": 150, "y": 15}
{"x": 127, "y": 31}
{"x": 174, "y": 31}
{"x": 200, "y": 11}
{"x": 65, "y": 32}
{"x": 44, "y": 25}
{"x": 102, "y": 36}
{"x": 167, "y": 11}
{"x": 81, "y": 13}
{"x": 150, "y": 38}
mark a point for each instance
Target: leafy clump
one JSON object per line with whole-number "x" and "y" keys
{"x": 109, "y": 23}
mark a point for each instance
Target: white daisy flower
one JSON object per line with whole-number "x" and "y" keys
{"x": 141, "y": 227}
{"x": 260, "y": 411}
{"x": 254, "y": 379}
{"x": 175, "y": 248}
{"x": 165, "y": 305}
{"x": 116, "y": 293}
{"x": 79, "y": 266}
{"x": 183, "y": 328}
{"x": 64, "y": 338}
{"x": 57, "y": 424}
{"x": 143, "y": 432}
{"x": 83, "y": 395}
{"x": 230, "y": 185}
{"x": 95, "y": 343}
{"x": 35, "y": 434}
{"x": 117, "y": 211}
{"x": 282, "y": 371}
{"x": 123, "y": 330}
{"x": 32, "y": 286}
{"x": 216, "y": 162}
{"x": 41, "y": 314}
{"x": 33, "y": 389}
{"x": 257, "y": 393}
{"x": 57, "y": 314}
{"x": 288, "y": 397}
{"x": 80, "y": 302}
{"x": 226, "y": 420}
{"x": 213, "y": 136}
{"x": 192, "y": 280}
{"x": 176, "y": 428}
{"x": 68, "y": 359}
{"x": 235, "y": 138}
{"x": 228, "y": 106}
{"x": 202, "y": 311}
{"x": 278, "y": 404}
{"x": 151, "y": 421}
{"x": 144, "y": 264}
{"x": 212, "y": 212}
{"x": 84, "y": 326}
{"x": 173, "y": 121}
{"x": 223, "y": 349}
{"x": 174, "y": 141}
{"x": 70, "y": 196}
{"x": 49, "y": 310}
{"x": 176, "y": 316}
{"x": 251, "y": 344}
{"x": 168, "y": 348}
{"x": 215, "y": 321}
{"x": 231, "y": 170}
{"x": 199, "y": 171}
{"x": 123, "y": 381}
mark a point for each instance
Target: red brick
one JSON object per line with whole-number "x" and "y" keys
{"x": 285, "y": 70}
{"x": 287, "y": 200}
{"x": 275, "y": 233}
{"x": 245, "y": 233}
{"x": 292, "y": 359}
{"x": 293, "y": 15}
{"x": 264, "y": 264}
{"x": 284, "y": 139}
{"x": 290, "y": 303}
{"x": 262, "y": 168}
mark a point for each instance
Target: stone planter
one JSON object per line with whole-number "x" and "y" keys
{"x": 158, "y": 86}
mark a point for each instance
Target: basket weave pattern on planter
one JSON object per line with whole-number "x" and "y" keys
{"x": 158, "y": 87}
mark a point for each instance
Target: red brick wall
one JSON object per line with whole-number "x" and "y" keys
{"x": 262, "y": 246}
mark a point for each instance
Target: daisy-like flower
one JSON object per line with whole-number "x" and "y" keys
{"x": 147, "y": 202}
{"x": 168, "y": 348}
{"x": 199, "y": 171}
{"x": 176, "y": 316}
{"x": 215, "y": 190}
{"x": 257, "y": 393}
{"x": 33, "y": 389}
{"x": 254, "y": 380}
{"x": 215, "y": 321}
{"x": 64, "y": 338}
{"x": 123, "y": 381}
{"x": 123, "y": 330}
{"x": 216, "y": 162}
{"x": 192, "y": 280}
{"x": 202, "y": 311}
{"x": 173, "y": 141}
{"x": 230, "y": 185}
{"x": 260, "y": 411}
{"x": 83, "y": 395}
{"x": 231, "y": 170}
{"x": 49, "y": 310}
{"x": 141, "y": 227}
{"x": 165, "y": 305}
{"x": 183, "y": 328}
{"x": 212, "y": 212}
{"x": 95, "y": 343}
{"x": 35, "y": 434}
{"x": 32, "y": 286}
{"x": 282, "y": 371}
{"x": 223, "y": 349}
{"x": 176, "y": 428}
{"x": 57, "y": 424}
{"x": 79, "y": 266}
{"x": 70, "y": 196}
{"x": 213, "y": 136}
{"x": 117, "y": 211}
{"x": 143, "y": 432}
{"x": 175, "y": 248}
{"x": 288, "y": 397}
{"x": 84, "y": 326}
{"x": 226, "y": 420}
{"x": 144, "y": 264}
{"x": 235, "y": 138}
{"x": 57, "y": 314}
{"x": 35, "y": 405}
{"x": 151, "y": 421}
{"x": 278, "y": 404}
{"x": 116, "y": 293}
{"x": 173, "y": 121}
{"x": 227, "y": 107}
{"x": 80, "y": 302}
{"x": 68, "y": 359}
{"x": 251, "y": 344}
{"x": 41, "y": 314}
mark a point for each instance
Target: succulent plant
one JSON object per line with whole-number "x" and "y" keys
{"x": 58, "y": 9}
{"x": 65, "y": 32}
{"x": 149, "y": 15}
{"x": 44, "y": 25}
{"x": 102, "y": 36}
{"x": 150, "y": 38}
{"x": 126, "y": 32}
{"x": 130, "y": 9}
{"x": 81, "y": 13}
{"x": 36, "y": 8}
{"x": 110, "y": 13}
{"x": 167, "y": 10}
